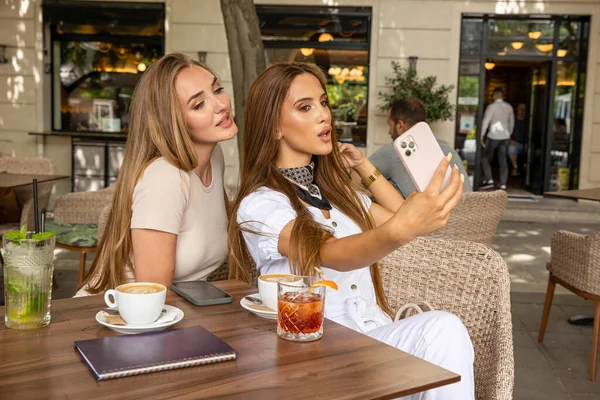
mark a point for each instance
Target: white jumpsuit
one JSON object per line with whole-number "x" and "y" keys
{"x": 436, "y": 336}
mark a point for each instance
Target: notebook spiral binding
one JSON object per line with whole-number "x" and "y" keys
{"x": 183, "y": 363}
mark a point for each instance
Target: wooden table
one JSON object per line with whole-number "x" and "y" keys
{"x": 583, "y": 194}
{"x": 10, "y": 180}
{"x": 43, "y": 364}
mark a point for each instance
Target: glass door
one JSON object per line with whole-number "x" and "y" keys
{"x": 552, "y": 49}
{"x": 536, "y": 146}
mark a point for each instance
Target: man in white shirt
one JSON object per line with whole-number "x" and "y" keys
{"x": 499, "y": 117}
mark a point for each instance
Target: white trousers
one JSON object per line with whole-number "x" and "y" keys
{"x": 440, "y": 338}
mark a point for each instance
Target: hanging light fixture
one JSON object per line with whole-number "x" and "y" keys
{"x": 534, "y": 35}
{"x": 545, "y": 48}
{"x": 325, "y": 37}
{"x": 141, "y": 67}
{"x": 561, "y": 52}
{"x": 306, "y": 51}
{"x": 489, "y": 65}
{"x": 517, "y": 45}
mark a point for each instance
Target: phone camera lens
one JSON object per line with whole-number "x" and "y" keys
{"x": 411, "y": 144}
{"x": 407, "y": 153}
{"x": 403, "y": 145}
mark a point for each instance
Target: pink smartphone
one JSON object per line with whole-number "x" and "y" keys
{"x": 421, "y": 154}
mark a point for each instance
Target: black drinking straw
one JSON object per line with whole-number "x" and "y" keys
{"x": 36, "y": 215}
{"x": 43, "y": 220}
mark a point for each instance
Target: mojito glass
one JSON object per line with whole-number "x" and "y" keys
{"x": 28, "y": 268}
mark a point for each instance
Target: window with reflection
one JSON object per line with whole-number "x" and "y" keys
{"x": 521, "y": 37}
{"x": 99, "y": 51}
{"x": 337, "y": 40}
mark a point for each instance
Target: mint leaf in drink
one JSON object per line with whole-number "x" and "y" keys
{"x": 17, "y": 236}
{"x": 13, "y": 235}
{"x": 15, "y": 288}
{"x": 38, "y": 237}
{"x": 23, "y": 232}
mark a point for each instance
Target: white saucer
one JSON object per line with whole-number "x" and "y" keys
{"x": 263, "y": 314}
{"x": 131, "y": 329}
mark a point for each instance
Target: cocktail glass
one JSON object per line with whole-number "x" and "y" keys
{"x": 300, "y": 309}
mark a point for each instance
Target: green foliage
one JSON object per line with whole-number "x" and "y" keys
{"x": 406, "y": 83}
{"x": 346, "y": 98}
{"x": 468, "y": 86}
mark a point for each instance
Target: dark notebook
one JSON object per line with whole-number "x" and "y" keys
{"x": 119, "y": 356}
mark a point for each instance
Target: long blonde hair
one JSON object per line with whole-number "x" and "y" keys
{"x": 156, "y": 129}
{"x": 260, "y": 149}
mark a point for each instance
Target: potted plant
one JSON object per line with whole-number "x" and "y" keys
{"x": 406, "y": 83}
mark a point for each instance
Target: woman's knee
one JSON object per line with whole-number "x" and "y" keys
{"x": 445, "y": 325}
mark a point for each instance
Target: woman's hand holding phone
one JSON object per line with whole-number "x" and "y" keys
{"x": 427, "y": 211}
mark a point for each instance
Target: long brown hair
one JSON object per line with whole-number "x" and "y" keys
{"x": 260, "y": 148}
{"x": 156, "y": 129}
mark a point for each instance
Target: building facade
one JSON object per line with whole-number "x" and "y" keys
{"x": 429, "y": 30}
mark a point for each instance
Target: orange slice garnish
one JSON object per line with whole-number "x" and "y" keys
{"x": 326, "y": 283}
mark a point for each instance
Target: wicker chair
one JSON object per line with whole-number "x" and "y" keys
{"x": 475, "y": 218}
{"x": 574, "y": 265}
{"x": 24, "y": 194}
{"x": 78, "y": 209}
{"x": 471, "y": 281}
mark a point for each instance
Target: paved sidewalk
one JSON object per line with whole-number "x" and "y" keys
{"x": 558, "y": 368}
{"x": 529, "y": 208}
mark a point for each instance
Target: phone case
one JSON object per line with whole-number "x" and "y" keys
{"x": 207, "y": 302}
{"x": 421, "y": 155}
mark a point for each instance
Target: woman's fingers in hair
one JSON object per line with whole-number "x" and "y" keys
{"x": 342, "y": 147}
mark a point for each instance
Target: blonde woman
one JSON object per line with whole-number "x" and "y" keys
{"x": 296, "y": 209}
{"x": 168, "y": 220}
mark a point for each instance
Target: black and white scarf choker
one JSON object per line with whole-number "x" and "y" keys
{"x": 308, "y": 191}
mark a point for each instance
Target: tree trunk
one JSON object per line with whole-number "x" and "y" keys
{"x": 246, "y": 53}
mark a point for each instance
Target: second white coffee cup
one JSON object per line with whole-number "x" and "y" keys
{"x": 139, "y": 303}
{"x": 267, "y": 287}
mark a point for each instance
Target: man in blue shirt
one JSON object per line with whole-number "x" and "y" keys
{"x": 403, "y": 114}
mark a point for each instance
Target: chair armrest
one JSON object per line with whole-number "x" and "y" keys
{"x": 81, "y": 207}
{"x": 469, "y": 280}
{"x": 575, "y": 259}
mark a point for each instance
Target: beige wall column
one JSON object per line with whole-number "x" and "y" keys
{"x": 19, "y": 78}
{"x": 406, "y": 29}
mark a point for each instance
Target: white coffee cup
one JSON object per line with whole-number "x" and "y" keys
{"x": 139, "y": 303}
{"x": 267, "y": 287}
